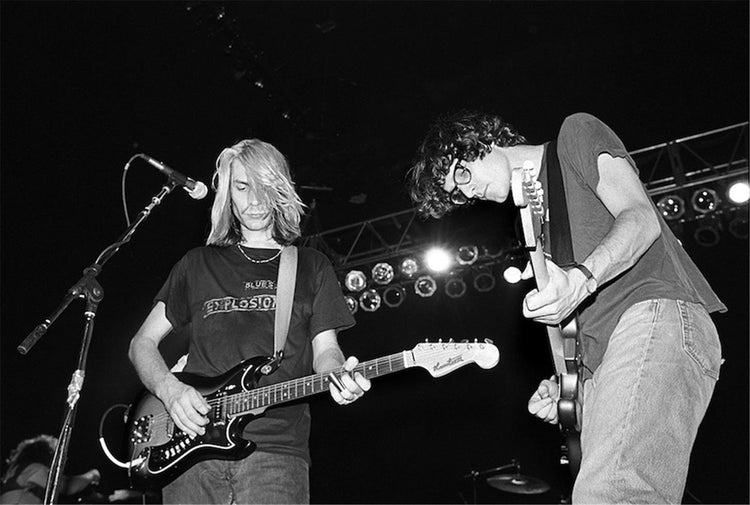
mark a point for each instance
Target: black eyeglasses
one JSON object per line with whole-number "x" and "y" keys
{"x": 461, "y": 176}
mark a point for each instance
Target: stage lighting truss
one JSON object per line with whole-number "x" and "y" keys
{"x": 369, "y": 300}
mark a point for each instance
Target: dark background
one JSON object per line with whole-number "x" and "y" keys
{"x": 348, "y": 90}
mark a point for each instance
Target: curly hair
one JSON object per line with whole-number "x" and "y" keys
{"x": 466, "y": 135}
{"x": 38, "y": 449}
{"x": 268, "y": 172}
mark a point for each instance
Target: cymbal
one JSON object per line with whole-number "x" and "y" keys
{"x": 519, "y": 484}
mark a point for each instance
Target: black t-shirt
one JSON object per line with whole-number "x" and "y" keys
{"x": 664, "y": 271}
{"x": 225, "y": 305}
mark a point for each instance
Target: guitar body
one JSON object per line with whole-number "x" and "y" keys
{"x": 162, "y": 451}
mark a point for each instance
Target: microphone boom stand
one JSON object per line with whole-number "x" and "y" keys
{"x": 89, "y": 288}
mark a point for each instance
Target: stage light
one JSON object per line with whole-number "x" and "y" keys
{"x": 393, "y": 296}
{"x": 382, "y": 273}
{"x": 467, "y": 254}
{"x": 455, "y": 287}
{"x": 408, "y": 267}
{"x": 512, "y": 275}
{"x": 739, "y": 192}
{"x": 483, "y": 279}
{"x": 425, "y": 286}
{"x": 369, "y": 300}
{"x": 437, "y": 259}
{"x": 671, "y": 207}
{"x": 707, "y": 233}
{"x": 705, "y": 200}
{"x": 355, "y": 281}
{"x": 351, "y": 304}
{"x": 491, "y": 251}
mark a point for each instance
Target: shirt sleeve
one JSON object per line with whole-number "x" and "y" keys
{"x": 582, "y": 139}
{"x": 174, "y": 295}
{"x": 329, "y": 310}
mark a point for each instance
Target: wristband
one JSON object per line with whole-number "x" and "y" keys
{"x": 591, "y": 283}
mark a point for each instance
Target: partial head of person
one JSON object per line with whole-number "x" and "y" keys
{"x": 255, "y": 195}
{"x": 38, "y": 449}
{"x": 446, "y": 173}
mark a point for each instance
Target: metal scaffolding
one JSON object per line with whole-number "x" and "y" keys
{"x": 673, "y": 167}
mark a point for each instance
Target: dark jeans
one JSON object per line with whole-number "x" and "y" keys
{"x": 262, "y": 477}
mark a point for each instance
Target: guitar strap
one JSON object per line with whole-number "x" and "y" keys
{"x": 561, "y": 243}
{"x": 284, "y": 298}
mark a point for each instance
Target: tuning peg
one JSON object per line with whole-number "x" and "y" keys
{"x": 465, "y": 341}
{"x": 440, "y": 341}
{"x": 427, "y": 341}
{"x": 476, "y": 341}
{"x": 488, "y": 341}
{"x": 450, "y": 340}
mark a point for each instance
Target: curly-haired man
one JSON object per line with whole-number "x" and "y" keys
{"x": 650, "y": 349}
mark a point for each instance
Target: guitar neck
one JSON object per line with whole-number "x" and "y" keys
{"x": 247, "y": 401}
{"x": 539, "y": 266}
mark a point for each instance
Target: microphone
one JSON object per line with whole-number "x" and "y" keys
{"x": 196, "y": 189}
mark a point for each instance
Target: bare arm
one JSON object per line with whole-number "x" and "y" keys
{"x": 634, "y": 230}
{"x": 636, "y": 226}
{"x": 327, "y": 355}
{"x": 186, "y": 406}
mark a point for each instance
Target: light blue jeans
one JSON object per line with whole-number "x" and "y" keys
{"x": 643, "y": 406}
{"x": 262, "y": 477}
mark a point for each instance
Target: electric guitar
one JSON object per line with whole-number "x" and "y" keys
{"x": 160, "y": 451}
{"x": 564, "y": 341}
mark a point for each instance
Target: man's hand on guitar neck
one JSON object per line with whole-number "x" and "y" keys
{"x": 543, "y": 403}
{"x": 558, "y": 299}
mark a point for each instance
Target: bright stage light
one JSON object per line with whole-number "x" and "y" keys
{"x": 369, "y": 300}
{"x": 408, "y": 267}
{"x": 355, "y": 281}
{"x": 739, "y": 192}
{"x": 705, "y": 200}
{"x": 382, "y": 273}
{"x": 512, "y": 275}
{"x": 425, "y": 286}
{"x": 437, "y": 259}
{"x": 351, "y": 304}
{"x": 671, "y": 207}
{"x": 467, "y": 254}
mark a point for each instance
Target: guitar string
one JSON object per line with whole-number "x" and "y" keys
{"x": 273, "y": 389}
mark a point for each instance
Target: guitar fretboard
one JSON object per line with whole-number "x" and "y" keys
{"x": 245, "y": 402}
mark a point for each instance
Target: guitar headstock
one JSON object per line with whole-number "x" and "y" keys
{"x": 529, "y": 196}
{"x": 440, "y": 358}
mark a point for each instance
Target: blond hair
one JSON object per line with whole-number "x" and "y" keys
{"x": 268, "y": 174}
